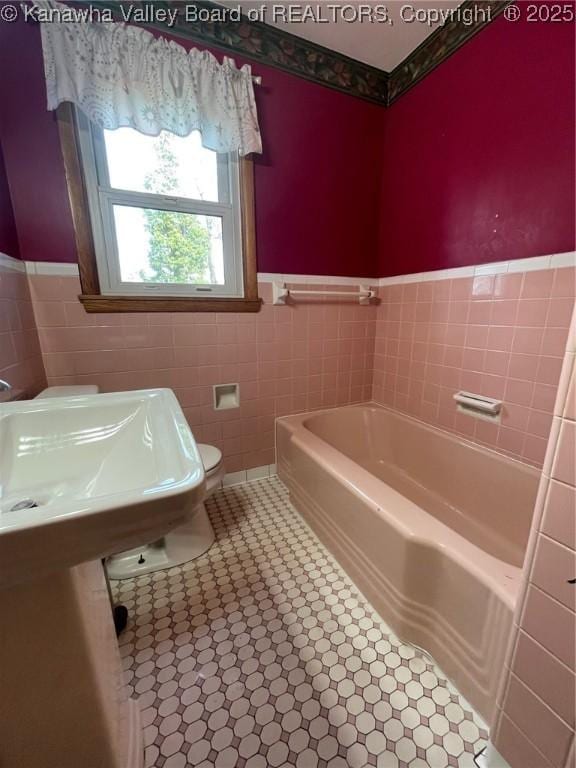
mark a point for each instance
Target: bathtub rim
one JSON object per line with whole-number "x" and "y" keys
{"x": 502, "y": 578}
{"x": 372, "y": 405}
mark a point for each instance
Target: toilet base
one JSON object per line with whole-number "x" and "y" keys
{"x": 179, "y": 546}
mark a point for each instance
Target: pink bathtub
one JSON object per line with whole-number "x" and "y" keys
{"x": 432, "y": 529}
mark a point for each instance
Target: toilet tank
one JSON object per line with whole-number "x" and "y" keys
{"x": 72, "y": 391}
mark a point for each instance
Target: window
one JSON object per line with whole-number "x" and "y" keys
{"x": 161, "y": 222}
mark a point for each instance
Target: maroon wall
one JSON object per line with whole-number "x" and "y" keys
{"x": 475, "y": 164}
{"x": 479, "y": 157}
{"x": 8, "y": 236}
{"x": 29, "y": 139}
{"x": 317, "y": 183}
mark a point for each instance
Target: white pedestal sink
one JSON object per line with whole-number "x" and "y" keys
{"x": 104, "y": 473}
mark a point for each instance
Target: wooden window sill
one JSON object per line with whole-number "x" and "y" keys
{"x": 98, "y": 303}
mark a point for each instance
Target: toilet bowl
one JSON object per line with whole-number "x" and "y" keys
{"x": 187, "y": 542}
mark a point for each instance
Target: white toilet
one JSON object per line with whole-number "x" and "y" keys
{"x": 185, "y": 543}
{"x": 180, "y": 545}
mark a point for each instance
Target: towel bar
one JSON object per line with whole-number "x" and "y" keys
{"x": 280, "y": 293}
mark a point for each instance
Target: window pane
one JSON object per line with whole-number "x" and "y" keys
{"x": 164, "y": 164}
{"x": 156, "y": 246}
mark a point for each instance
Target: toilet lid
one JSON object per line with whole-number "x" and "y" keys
{"x": 210, "y": 456}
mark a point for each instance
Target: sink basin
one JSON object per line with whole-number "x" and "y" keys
{"x": 85, "y": 477}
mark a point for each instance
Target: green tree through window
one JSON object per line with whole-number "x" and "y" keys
{"x": 179, "y": 243}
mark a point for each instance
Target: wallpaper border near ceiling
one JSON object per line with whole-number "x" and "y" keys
{"x": 277, "y": 48}
{"x": 271, "y": 46}
{"x": 441, "y": 44}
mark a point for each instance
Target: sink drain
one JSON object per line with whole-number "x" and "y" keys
{"x": 24, "y": 504}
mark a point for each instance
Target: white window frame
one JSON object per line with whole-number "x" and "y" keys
{"x": 102, "y": 197}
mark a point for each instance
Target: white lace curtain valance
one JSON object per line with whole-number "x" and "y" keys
{"x": 123, "y": 76}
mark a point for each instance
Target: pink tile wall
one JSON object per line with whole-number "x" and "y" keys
{"x": 20, "y": 355}
{"x": 286, "y": 360}
{"x": 534, "y": 727}
{"x": 497, "y": 335}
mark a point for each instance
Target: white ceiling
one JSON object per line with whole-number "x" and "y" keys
{"x": 383, "y": 45}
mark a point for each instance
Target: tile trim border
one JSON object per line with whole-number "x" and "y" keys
{"x": 442, "y": 43}
{"x": 552, "y": 261}
{"x": 10, "y": 263}
{"x": 277, "y": 277}
{"x": 248, "y": 475}
{"x": 55, "y": 268}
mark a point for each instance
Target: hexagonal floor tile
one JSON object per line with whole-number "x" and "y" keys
{"x": 263, "y": 653}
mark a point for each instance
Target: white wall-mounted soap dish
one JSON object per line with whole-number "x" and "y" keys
{"x": 479, "y": 406}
